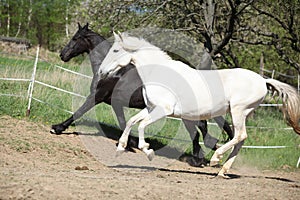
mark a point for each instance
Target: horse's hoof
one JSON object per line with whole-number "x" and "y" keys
{"x": 144, "y": 146}
{"x": 120, "y": 150}
{"x": 150, "y": 154}
{"x": 52, "y": 131}
{"x": 214, "y": 163}
{"x": 197, "y": 162}
{"x": 57, "y": 129}
{"x": 223, "y": 176}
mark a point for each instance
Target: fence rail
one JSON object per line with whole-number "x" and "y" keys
{"x": 59, "y": 89}
{"x": 273, "y": 72}
{"x": 32, "y": 80}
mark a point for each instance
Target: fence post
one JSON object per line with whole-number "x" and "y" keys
{"x": 273, "y": 73}
{"x": 32, "y": 81}
{"x": 262, "y": 65}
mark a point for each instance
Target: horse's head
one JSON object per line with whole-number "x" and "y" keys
{"x": 79, "y": 44}
{"x": 127, "y": 49}
{"x": 116, "y": 58}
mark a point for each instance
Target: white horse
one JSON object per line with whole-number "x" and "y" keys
{"x": 171, "y": 88}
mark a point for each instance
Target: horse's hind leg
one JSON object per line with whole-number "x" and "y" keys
{"x": 240, "y": 134}
{"x": 223, "y": 124}
{"x": 197, "y": 159}
{"x": 230, "y": 159}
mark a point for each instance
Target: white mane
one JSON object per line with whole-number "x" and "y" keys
{"x": 130, "y": 43}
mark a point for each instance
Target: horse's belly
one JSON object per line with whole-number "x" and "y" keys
{"x": 201, "y": 111}
{"x": 204, "y": 98}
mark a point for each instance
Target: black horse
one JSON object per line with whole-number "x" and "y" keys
{"x": 126, "y": 88}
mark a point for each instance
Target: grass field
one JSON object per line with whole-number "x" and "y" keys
{"x": 266, "y": 125}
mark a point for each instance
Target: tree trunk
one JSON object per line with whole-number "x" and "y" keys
{"x": 67, "y": 19}
{"x": 21, "y": 17}
{"x": 8, "y": 20}
{"x": 28, "y": 18}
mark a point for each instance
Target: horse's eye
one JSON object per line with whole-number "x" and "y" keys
{"x": 116, "y": 50}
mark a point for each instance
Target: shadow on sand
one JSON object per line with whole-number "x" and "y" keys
{"x": 212, "y": 175}
{"x": 114, "y": 133}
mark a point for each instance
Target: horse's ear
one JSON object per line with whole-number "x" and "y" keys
{"x": 118, "y": 37}
{"x": 79, "y": 26}
{"x": 86, "y": 27}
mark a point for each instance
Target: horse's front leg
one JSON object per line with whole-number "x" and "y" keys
{"x": 118, "y": 109}
{"x": 143, "y": 145}
{"x": 94, "y": 83}
{"x": 132, "y": 121}
{"x": 157, "y": 113}
{"x": 89, "y": 103}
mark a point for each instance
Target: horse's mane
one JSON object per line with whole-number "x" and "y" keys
{"x": 89, "y": 33}
{"x": 130, "y": 43}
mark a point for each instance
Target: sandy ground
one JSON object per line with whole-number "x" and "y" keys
{"x": 37, "y": 165}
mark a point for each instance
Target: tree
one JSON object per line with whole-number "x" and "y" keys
{"x": 235, "y": 32}
{"x": 41, "y": 21}
{"x": 281, "y": 30}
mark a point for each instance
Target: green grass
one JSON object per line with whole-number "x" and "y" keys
{"x": 46, "y": 72}
{"x": 271, "y": 118}
{"x": 275, "y": 135}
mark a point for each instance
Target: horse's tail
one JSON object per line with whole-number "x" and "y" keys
{"x": 290, "y": 101}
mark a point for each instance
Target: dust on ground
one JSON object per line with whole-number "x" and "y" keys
{"x": 37, "y": 165}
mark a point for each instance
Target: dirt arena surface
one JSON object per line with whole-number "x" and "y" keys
{"x": 37, "y": 165}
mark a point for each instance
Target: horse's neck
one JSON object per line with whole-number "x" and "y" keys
{"x": 152, "y": 67}
{"x": 149, "y": 57}
{"x": 99, "y": 49}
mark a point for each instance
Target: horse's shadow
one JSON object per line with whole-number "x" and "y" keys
{"x": 212, "y": 175}
{"x": 114, "y": 133}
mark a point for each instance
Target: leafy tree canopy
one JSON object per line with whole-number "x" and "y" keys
{"x": 236, "y": 33}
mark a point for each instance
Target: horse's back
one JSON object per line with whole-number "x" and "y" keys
{"x": 215, "y": 91}
{"x": 243, "y": 86}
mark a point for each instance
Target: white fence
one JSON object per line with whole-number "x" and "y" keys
{"x": 32, "y": 81}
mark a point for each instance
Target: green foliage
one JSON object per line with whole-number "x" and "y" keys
{"x": 259, "y": 26}
{"x": 42, "y": 22}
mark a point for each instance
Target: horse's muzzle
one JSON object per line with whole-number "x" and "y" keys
{"x": 103, "y": 75}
